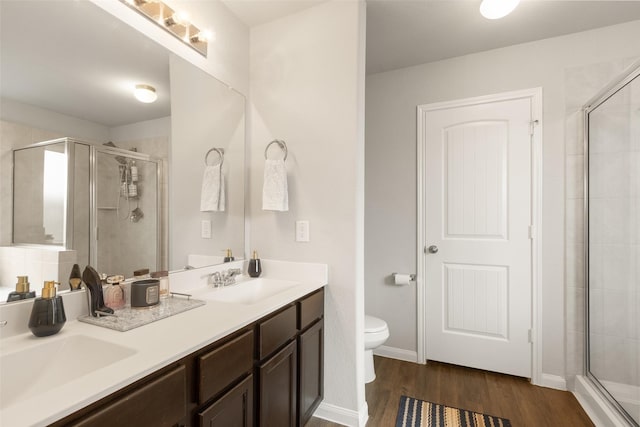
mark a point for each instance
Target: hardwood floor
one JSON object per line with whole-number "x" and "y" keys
{"x": 505, "y": 396}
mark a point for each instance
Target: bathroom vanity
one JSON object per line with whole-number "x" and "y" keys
{"x": 251, "y": 356}
{"x": 267, "y": 374}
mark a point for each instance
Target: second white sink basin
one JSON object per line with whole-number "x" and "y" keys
{"x": 54, "y": 362}
{"x": 250, "y": 291}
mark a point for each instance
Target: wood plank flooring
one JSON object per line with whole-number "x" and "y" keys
{"x": 505, "y": 396}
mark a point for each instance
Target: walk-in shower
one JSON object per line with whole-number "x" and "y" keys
{"x": 612, "y": 225}
{"x": 101, "y": 201}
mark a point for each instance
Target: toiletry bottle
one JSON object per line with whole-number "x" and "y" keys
{"x": 163, "y": 277}
{"x": 134, "y": 172}
{"x": 114, "y": 294}
{"x": 229, "y": 256}
{"x": 75, "y": 278}
{"x": 133, "y": 190}
{"x": 22, "y": 290}
{"x": 47, "y": 313}
{"x": 142, "y": 273}
{"x": 255, "y": 266}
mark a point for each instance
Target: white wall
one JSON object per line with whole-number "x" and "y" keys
{"x": 307, "y": 77}
{"x": 390, "y": 224}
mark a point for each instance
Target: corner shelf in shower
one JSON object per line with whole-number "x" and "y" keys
{"x": 107, "y": 208}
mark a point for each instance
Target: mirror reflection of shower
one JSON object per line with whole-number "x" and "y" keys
{"x": 100, "y": 201}
{"x": 128, "y": 188}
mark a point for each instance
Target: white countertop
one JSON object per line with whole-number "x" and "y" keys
{"x": 156, "y": 345}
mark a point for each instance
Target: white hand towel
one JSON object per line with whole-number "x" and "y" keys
{"x": 212, "y": 197}
{"x": 275, "y": 195}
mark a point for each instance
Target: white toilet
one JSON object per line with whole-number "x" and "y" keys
{"x": 376, "y": 333}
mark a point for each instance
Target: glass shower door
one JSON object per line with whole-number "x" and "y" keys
{"x": 613, "y": 206}
{"x": 126, "y": 214}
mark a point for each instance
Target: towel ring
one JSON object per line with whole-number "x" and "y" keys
{"x": 281, "y": 144}
{"x": 220, "y": 152}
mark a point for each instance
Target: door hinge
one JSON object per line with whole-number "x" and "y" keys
{"x": 530, "y": 336}
{"x": 532, "y": 232}
{"x": 532, "y": 125}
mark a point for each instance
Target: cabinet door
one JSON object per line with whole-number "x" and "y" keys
{"x": 278, "y": 394}
{"x": 233, "y": 409}
{"x": 161, "y": 402}
{"x": 311, "y": 375}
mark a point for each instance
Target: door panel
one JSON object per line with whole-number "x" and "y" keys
{"x": 475, "y": 180}
{"x": 478, "y": 212}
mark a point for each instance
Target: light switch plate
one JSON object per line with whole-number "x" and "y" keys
{"x": 302, "y": 231}
{"x": 205, "y": 231}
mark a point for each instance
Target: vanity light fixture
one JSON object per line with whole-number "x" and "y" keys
{"x": 496, "y": 9}
{"x": 145, "y": 93}
{"x": 174, "y": 22}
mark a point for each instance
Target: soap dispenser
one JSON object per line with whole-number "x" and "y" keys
{"x": 255, "y": 266}
{"x": 22, "y": 290}
{"x": 47, "y": 314}
{"x": 229, "y": 256}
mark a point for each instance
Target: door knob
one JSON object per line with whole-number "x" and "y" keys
{"x": 433, "y": 249}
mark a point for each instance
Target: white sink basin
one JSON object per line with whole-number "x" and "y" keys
{"x": 250, "y": 291}
{"x": 53, "y": 363}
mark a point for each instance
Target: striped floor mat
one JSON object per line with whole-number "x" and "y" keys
{"x": 418, "y": 413}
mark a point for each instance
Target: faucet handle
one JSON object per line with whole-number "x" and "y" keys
{"x": 215, "y": 278}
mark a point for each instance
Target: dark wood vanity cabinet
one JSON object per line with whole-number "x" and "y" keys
{"x": 158, "y": 400}
{"x": 310, "y": 371}
{"x": 268, "y": 374}
{"x": 233, "y": 409}
{"x": 278, "y": 389}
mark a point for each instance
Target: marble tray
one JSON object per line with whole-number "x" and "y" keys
{"x": 129, "y": 318}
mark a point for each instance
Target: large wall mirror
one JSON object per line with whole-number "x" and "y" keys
{"x": 67, "y": 74}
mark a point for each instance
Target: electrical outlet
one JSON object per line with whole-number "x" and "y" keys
{"x": 302, "y": 231}
{"x": 205, "y": 231}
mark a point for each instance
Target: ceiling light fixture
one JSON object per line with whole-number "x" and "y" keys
{"x": 496, "y": 9}
{"x": 175, "y": 22}
{"x": 145, "y": 93}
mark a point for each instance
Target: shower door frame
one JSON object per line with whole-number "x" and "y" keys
{"x": 93, "y": 200}
{"x": 630, "y": 74}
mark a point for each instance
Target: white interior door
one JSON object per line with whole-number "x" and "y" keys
{"x": 477, "y": 206}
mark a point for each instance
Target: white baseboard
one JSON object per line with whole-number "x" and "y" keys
{"x": 396, "y": 353}
{"x": 345, "y": 417}
{"x": 553, "y": 381}
{"x": 595, "y": 406}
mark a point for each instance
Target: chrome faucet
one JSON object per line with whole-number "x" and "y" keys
{"x": 225, "y": 278}
{"x": 215, "y": 279}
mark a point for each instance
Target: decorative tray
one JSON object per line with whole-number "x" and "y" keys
{"x": 127, "y": 318}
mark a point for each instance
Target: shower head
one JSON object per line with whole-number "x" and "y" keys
{"x": 119, "y": 159}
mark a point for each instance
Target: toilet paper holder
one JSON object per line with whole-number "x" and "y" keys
{"x": 398, "y": 278}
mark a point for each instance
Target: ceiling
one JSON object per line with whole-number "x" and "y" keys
{"x": 76, "y": 59}
{"x": 402, "y": 33}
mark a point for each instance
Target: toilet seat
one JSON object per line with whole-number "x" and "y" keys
{"x": 373, "y": 324}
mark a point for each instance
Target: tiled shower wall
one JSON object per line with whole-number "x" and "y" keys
{"x": 582, "y": 84}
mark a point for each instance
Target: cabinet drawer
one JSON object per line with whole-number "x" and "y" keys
{"x": 234, "y": 408}
{"x": 162, "y": 402}
{"x": 276, "y": 331}
{"x": 311, "y": 309}
{"x": 220, "y": 367}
